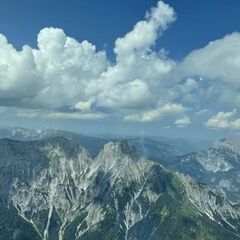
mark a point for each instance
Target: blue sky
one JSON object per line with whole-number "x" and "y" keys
{"x": 186, "y": 86}
{"x": 102, "y": 22}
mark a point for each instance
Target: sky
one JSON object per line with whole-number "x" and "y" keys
{"x": 121, "y": 67}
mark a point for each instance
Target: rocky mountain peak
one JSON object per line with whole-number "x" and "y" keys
{"x": 232, "y": 144}
{"x": 67, "y": 146}
{"x": 120, "y": 149}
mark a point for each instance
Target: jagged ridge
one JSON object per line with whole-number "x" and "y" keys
{"x": 63, "y": 193}
{"x": 218, "y": 167}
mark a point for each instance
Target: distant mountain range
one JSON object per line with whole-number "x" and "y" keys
{"x": 153, "y": 147}
{"x": 53, "y": 189}
{"x": 218, "y": 167}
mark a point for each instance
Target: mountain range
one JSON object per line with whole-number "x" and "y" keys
{"x": 153, "y": 147}
{"x": 218, "y": 167}
{"x": 53, "y": 189}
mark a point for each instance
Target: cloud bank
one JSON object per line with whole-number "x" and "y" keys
{"x": 67, "y": 79}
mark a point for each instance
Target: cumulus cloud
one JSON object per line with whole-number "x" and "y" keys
{"x": 68, "y": 69}
{"x": 56, "y": 75}
{"x": 68, "y": 79}
{"x": 156, "y": 114}
{"x": 146, "y": 32}
{"x": 224, "y": 120}
{"x": 216, "y": 67}
{"x": 71, "y": 79}
{"x": 18, "y": 78}
{"x": 137, "y": 79}
{"x": 183, "y": 122}
{"x": 220, "y": 59}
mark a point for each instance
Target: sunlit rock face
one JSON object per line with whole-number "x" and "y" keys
{"x": 59, "y": 192}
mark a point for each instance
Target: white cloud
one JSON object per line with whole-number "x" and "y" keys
{"x": 146, "y": 32}
{"x": 156, "y": 114}
{"x": 224, "y": 120}
{"x": 183, "y": 122}
{"x": 137, "y": 79}
{"x": 68, "y": 68}
{"x": 217, "y": 66}
{"x": 85, "y": 106}
{"x": 54, "y": 76}
{"x": 18, "y": 78}
{"x": 133, "y": 94}
{"x": 72, "y": 79}
{"x": 220, "y": 59}
{"x": 76, "y": 115}
{"x": 202, "y": 112}
{"x": 65, "y": 78}
{"x": 49, "y": 114}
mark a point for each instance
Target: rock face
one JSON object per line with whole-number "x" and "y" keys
{"x": 218, "y": 167}
{"x": 53, "y": 189}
